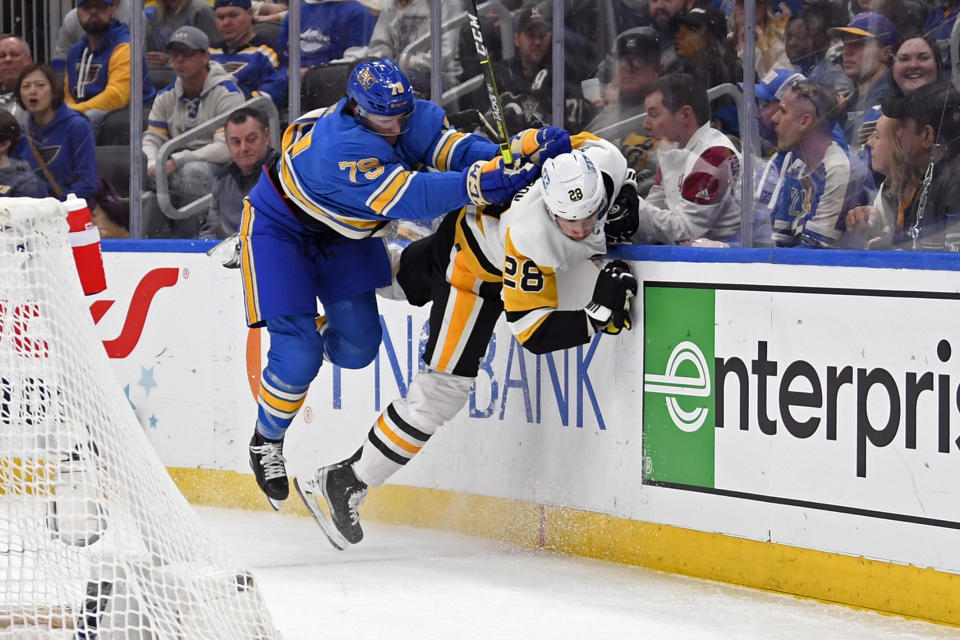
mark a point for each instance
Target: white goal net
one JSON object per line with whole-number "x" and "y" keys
{"x": 95, "y": 539}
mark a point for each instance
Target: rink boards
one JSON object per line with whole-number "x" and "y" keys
{"x": 793, "y": 427}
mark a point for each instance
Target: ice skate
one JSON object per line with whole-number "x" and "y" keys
{"x": 268, "y": 464}
{"x": 333, "y": 496}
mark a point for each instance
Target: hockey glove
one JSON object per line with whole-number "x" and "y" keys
{"x": 537, "y": 145}
{"x": 489, "y": 182}
{"x": 623, "y": 219}
{"x": 609, "y": 309}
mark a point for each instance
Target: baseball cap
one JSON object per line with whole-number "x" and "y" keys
{"x": 109, "y": 2}
{"x": 868, "y": 24}
{"x": 530, "y": 18}
{"x": 642, "y": 41}
{"x": 191, "y": 37}
{"x": 775, "y": 84}
{"x": 242, "y": 4}
{"x": 709, "y": 18}
{"x": 937, "y": 105}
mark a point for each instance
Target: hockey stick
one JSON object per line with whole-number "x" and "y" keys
{"x": 496, "y": 106}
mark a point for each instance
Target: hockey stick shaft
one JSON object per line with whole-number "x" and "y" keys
{"x": 496, "y": 105}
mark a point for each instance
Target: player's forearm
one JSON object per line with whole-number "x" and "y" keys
{"x": 474, "y": 148}
{"x": 427, "y": 196}
{"x": 555, "y": 331}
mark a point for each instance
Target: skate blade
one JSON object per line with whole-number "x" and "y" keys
{"x": 308, "y": 493}
{"x": 274, "y": 502}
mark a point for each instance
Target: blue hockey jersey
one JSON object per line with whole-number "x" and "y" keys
{"x": 327, "y": 29}
{"x": 257, "y": 66}
{"x": 353, "y": 180}
{"x": 809, "y": 206}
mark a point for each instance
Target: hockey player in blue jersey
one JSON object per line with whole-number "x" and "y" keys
{"x": 309, "y": 231}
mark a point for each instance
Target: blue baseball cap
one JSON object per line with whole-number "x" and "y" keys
{"x": 867, "y": 24}
{"x": 109, "y": 2}
{"x": 775, "y": 83}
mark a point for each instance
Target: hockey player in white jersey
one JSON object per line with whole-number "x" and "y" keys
{"x": 478, "y": 264}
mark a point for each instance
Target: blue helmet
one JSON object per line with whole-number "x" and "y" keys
{"x": 380, "y": 88}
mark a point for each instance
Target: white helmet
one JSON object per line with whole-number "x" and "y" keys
{"x": 572, "y": 187}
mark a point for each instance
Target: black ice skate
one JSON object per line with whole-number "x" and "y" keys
{"x": 267, "y": 462}
{"x": 336, "y": 513}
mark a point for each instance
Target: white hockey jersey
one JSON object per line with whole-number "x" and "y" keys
{"x": 524, "y": 248}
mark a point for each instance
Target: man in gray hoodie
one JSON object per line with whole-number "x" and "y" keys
{"x": 201, "y": 92}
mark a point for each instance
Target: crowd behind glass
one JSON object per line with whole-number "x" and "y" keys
{"x": 855, "y": 144}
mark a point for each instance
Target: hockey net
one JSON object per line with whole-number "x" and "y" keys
{"x": 95, "y": 539}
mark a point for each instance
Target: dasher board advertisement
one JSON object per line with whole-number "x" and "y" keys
{"x": 828, "y": 399}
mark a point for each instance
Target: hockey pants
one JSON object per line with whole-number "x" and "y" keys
{"x": 462, "y": 318}
{"x": 349, "y": 337}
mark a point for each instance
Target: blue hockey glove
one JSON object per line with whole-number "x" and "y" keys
{"x": 537, "y": 145}
{"x": 488, "y": 182}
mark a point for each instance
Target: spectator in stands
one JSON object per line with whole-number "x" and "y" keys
{"x": 928, "y": 136}
{"x": 201, "y": 92}
{"x": 16, "y": 176}
{"x": 700, "y": 33}
{"x": 526, "y": 81}
{"x": 939, "y": 24}
{"x": 170, "y": 16}
{"x": 58, "y": 144}
{"x": 768, "y": 93}
{"x": 14, "y": 58}
{"x": 254, "y": 60}
{"x": 662, "y": 14}
{"x": 807, "y": 50}
{"x": 694, "y": 194}
{"x": 70, "y": 33}
{"x": 248, "y": 138}
{"x": 98, "y": 66}
{"x": 917, "y": 62}
{"x": 769, "y": 37}
{"x": 399, "y": 24}
{"x": 327, "y": 29}
{"x": 637, "y": 69}
{"x": 867, "y": 43}
{"x": 820, "y": 181}
{"x": 878, "y": 223}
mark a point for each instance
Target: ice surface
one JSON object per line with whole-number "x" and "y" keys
{"x": 412, "y": 583}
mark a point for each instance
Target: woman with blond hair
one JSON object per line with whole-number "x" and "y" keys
{"x": 885, "y": 223}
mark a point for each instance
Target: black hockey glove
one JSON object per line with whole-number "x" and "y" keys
{"x": 623, "y": 218}
{"x": 609, "y": 309}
